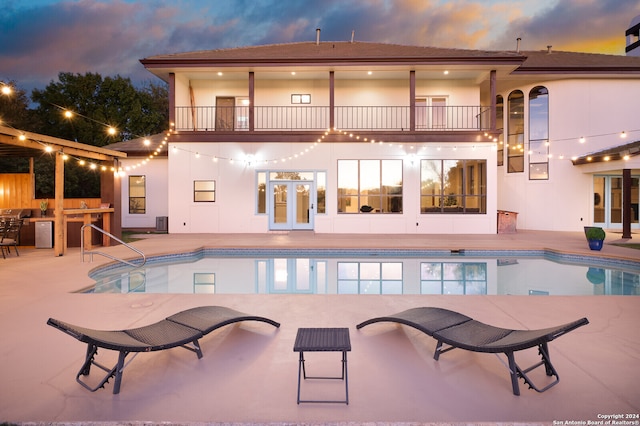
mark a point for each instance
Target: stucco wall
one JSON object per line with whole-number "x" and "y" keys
{"x": 156, "y": 181}
{"x": 597, "y": 109}
{"x": 235, "y": 207}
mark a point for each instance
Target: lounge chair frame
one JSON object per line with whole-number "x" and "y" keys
{"x": 456, "y": 330}
{"x": 183, "y": 329}
{"x": 9, "y": 235}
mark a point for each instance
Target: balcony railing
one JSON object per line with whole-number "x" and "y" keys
{"x": 314, "y": 118}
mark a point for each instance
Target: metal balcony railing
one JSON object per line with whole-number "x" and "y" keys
{"x": 314, "y": 118}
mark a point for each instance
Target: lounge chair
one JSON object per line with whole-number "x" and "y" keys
{"x": 459, "y": 331}
{"x": 182, "y": 329}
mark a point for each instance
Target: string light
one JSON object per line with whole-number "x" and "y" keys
{"x": 323, "y": 138}
{"x": 521, "y": 147}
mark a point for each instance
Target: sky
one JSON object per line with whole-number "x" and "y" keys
{"x": 41, "y": 38}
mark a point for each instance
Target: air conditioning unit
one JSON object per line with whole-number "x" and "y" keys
{"x": 162, "y": 224}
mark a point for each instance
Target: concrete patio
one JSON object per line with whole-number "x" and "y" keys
{"x": 248, "y": 373}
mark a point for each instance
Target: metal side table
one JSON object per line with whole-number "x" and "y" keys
{"x": 323, "y": 340}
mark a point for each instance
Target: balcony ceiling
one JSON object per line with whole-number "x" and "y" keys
{"x": 352, "y": 73}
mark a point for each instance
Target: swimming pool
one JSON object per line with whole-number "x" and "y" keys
{"x": 268, "y": 271}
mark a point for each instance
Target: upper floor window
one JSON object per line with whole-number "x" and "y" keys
{"x": 137, "y": 195}
{"x": 500, "y": 128}
{"x": 539, "y": 133}
{"x": 515, "y": 129}
{"x": 453, "y": 186}
{"x": 370, "y": 186}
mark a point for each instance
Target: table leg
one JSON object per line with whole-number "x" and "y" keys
{"x": 300, "y": 371}
{"x": 344, "y": 375}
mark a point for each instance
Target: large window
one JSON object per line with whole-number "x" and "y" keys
{"x": 453, "y": 186}
{"x": 369, "y": 186}
{"x": 515, "y": 127}
{"x": 137, "y": 195}
{"x": 369, "y": 277}
{"x": 453, "y": 278}
{"x": 538, "y": 133}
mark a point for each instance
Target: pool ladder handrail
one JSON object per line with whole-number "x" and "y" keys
{"x": 83, "y": 252}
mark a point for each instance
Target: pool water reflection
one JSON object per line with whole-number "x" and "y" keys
{"x": 453, "y": 275}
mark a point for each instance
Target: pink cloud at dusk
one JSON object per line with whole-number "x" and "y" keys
{"x": 41, "y": 38}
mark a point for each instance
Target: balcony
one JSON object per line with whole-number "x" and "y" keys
{"x": 320, "y": 118}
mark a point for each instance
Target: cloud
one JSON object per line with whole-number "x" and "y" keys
{"x": 110, "y": 36}
{"x": 596, "y": 26}
{"x": 71, "y": 37}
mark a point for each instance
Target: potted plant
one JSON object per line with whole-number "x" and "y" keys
{"x": 596, "y": 275}
{"x": 595, "y": 237}
{"x": 44, "y": 204}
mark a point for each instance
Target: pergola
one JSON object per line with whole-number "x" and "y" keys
{"x": 18, "y": 143}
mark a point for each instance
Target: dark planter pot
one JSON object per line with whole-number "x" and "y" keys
{"x": 595, "y": 244}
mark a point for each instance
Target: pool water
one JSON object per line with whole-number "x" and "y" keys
{"x": 372, "y": 273}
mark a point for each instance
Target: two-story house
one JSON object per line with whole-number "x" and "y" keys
{"x": 357, "y": 137}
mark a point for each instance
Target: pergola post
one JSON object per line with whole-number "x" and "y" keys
{"x": 58, "y": 224}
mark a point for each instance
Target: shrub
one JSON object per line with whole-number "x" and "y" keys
{"x": 595, "y": 234}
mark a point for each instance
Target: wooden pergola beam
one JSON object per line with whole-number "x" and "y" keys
{"x": 29, "y": 144}
{"x": 34, "y": 141}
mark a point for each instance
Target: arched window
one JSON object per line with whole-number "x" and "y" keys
{"x": 515, "y": 129}
{"x": 500, "y": 127}
{"x": 539, "y": 133}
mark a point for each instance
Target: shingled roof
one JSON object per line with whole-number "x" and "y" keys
{"x": 357, "y": 52}
{"x": 137, "y": 147}
{"x": 548, "y": 61}
{"x": 338, "y": 51}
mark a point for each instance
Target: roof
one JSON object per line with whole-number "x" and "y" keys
{"x": 139, "y": 148}
{"x": 609, "y": 154}
{"x": 332, "y": 51}
{"x": 550, "y": 61}
{"x": 343, "y": 52}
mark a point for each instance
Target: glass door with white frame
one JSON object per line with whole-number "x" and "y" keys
{"x": 607, "y": 201}
{"x": 291, "y": 205}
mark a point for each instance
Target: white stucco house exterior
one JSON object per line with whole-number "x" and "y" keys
{"x": 358, "y": 137}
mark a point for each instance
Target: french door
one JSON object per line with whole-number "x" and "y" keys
{"x": 291, "y": 205}
{"x": 607, "y": 201}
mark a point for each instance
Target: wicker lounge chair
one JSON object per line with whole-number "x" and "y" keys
{"x": 182, "y": 329}
{"x": 459, "y": 331}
